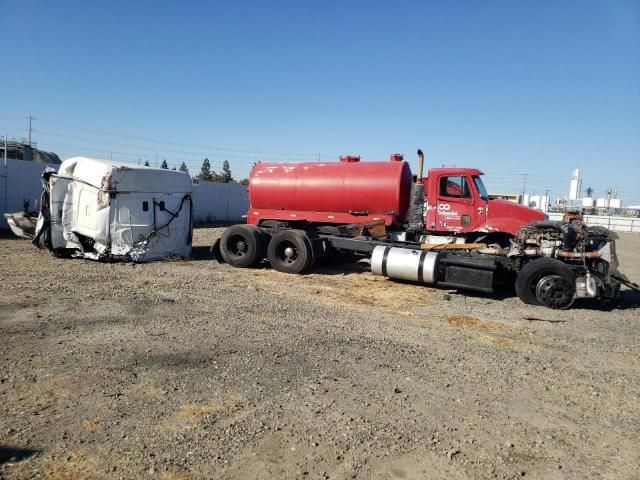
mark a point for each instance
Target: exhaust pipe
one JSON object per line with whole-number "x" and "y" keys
{"x": 415, "y": 215}
{"x": 420, "y": 165}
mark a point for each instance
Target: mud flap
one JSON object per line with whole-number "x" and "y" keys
{"x": 626, "y": 282}
{"x": 215, "y": 251}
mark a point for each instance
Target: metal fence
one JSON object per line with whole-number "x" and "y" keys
{"x": 20, "y": 182}
{"x": 617, "y": 224}
{"x": 219, "y": 202}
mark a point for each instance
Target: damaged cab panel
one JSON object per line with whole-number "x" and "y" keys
{"x": 105, "y": 210}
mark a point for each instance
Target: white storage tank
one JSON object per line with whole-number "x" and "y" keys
{"x": 615, "y": 203}
{"x": 588, "y": 202}
{"x": 601, "y": 203}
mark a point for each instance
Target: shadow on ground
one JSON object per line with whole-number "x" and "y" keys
{"x": 8, "y": 235}
{"x": 12, "y": 454}
{"x": 201, "y": 253}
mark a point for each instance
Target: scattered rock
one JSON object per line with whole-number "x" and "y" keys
{"x": 452, "y": 453}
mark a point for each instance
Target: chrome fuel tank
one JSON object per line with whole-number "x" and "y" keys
{"x": 405, "y": 264}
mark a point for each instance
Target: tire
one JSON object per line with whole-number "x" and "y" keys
{"x": 242, "y": 246}
{"x": 534, "y": 271}
{"x": 216, "y": 252}
{"x": 290, "y": 251}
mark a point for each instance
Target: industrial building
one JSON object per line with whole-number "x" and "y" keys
{"x": 610, "y": 204}
{"x": 22, "y": 150}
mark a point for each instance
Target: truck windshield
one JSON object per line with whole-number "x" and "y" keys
{"x": 480, "y": 187}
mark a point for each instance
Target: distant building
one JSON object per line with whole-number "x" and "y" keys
{"x": 540, "y": 202}
{"x": 17, "y": 150}
{"x": 510, "y": 197}
{"x": 575, "y": 187}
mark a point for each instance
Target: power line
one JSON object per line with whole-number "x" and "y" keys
{"x": 203, "y": 147}
{"x": 179, "y": 152}
{"x": 133, "y": 157}
{"x": 251, "y": 156}
{"x": 136, "y": 150}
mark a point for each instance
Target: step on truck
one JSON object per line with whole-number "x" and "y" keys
{"x": 440, "y": 229}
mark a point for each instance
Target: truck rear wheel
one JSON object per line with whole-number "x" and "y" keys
{"x": 290, "y": 251}
{"x": 548, "y": 282}
{"x": 242, "y": 246}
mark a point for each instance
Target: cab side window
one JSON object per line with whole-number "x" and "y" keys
{"x": 454, "y": 186}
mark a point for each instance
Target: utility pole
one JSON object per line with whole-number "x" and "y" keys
{"x": 524, "y": 187}
{"x": 30, "y": 118}
{"x": 318, "y": 158}
{"x": 6, "y": 176}
{"x": 156, "y": 160}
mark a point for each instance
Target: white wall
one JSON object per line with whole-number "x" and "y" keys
{"x": 617, "y": 224}
{"x": 220, "y": 202}
{"x": 20, "y": 180}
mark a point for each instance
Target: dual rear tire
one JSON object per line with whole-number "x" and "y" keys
{"x": 245, "y": 246}
{"x": 290, "y": 251}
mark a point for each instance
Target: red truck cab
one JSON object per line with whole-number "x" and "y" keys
{"x": 456, "y": 202}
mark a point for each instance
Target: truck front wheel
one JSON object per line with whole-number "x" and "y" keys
{"x": 290, "y": 251}
{"x": 548, "y": 282}
{"x": 242, "y": 246}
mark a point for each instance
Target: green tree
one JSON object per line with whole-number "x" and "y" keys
{"x": 164, "y": 165}
{"x": 183, "y": 168}
{"x": 146, "y": 164}
{"x": 205, "y": 171}
{"x": 226, "y": 173}
{"x": 244, "y": 181}
{"x": 589, "y": 192}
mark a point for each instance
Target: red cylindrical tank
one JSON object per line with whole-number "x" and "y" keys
{"x": 345, "y": 187}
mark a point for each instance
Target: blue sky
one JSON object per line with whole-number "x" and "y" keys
{"x": 540, "y": 87}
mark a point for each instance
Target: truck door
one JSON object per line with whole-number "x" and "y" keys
{"x": 481, "y": 203}
{"x": 136, "y": 215}
{"x": 455, "y": 206}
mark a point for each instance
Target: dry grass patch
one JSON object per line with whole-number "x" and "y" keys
{"x": 195, "y": 412}
{"x": 366, "y": 290}
{"x": 470, "y": 323}
{"x": 174, "y": 475}
{"x": 500, "y": 342}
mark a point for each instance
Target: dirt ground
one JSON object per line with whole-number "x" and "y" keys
{"x": 191, "y": 369}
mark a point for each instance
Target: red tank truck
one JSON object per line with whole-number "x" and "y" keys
{"x": 440, "y": 229}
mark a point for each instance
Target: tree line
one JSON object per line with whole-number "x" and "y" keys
{"x": 206, "y": 173}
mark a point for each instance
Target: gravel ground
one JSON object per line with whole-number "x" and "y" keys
{"x": 190, "y": 369}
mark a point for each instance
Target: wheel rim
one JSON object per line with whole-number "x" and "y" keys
{"x": 238, "y": 246}
{"x": 555, "y": 291}
{"x": 287, "y": 252}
